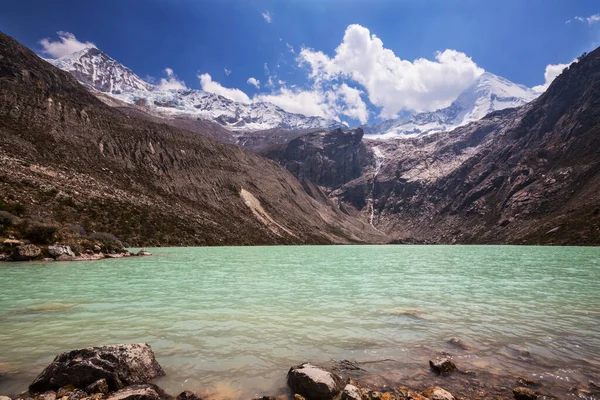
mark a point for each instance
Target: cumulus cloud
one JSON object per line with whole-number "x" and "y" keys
{"x": 227, "y": 71}
{"x": 390, "y": 82}
{"x": 172, "y": 82}
{"x": 552, "y": 71}
{"x": 592, "y": 19}
{"x": 267, "y": 16}
{"x": 66, "y": 44}
{"x": 317, "y": 102}
{"x": 254, "y": 82}
{"x": 211, "y": 86}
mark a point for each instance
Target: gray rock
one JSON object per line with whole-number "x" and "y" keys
{"x": 146, "y": 391}
{"x": 5, "y": 398}
{"x": 442, "y": 366}
{"x": 100, "y": 386}
{"x": 313, "y": 382}
{"x": 58, "y": 250}
{"x": 121, "y": 365}
{"x": 187, "y": 395}
{"x": 26, "y": 252}
{"x": 97, "y": 249}
{"x": 143, "y": 252}
{"x": 351, "y": 392}
{"x": 522, "y": 393}
{"x": 49, "y": 395}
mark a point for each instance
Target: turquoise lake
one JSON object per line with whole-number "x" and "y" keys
{"x": 230, "y": 321}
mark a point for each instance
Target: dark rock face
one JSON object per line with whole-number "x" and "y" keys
{"x": 145, "y": 391}
{"x": 26, "y": 252}
{"x": 442, "y": 366}
{"x": 100, "y": 386}
{"x": 326, "y": 158}
{"x": 119, "y": 365}
{"x": 522, "y": 393}
{"x": 313, "y": 382}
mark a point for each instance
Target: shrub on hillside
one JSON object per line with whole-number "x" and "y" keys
{"x": 108, "y": 242}
{"x": 39, "y": 232}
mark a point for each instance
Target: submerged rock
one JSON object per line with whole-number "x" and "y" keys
{"x": 314, "y": 382}
{"x": 120, "y": 365}
{"x": 26, "y": 252}
{"x": 522, "y": 393}
{"x": 437, "y": 393}
{"x": 442, "y": 366}
{"x": 527, "y": 381}
{"x": 58, "y": 250}
{"x": 146, "y": 391}
{"x": 458, "y": 343}
{"x": 187, "y": 395}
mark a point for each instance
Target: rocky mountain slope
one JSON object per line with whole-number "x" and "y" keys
{"x": 98, "y": 71}
{"x": 65, "y": 156}
{"x": 526, "y": 175}
{"x": 488, "y": 94}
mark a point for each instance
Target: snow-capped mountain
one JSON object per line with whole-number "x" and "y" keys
{"x": 489, "y": 93}
{"x": 97, "y": 70}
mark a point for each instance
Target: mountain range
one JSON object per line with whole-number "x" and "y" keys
{"x": 95, "y": 155}
{"x": 97, "y": 70}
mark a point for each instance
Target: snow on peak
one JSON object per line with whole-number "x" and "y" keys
{"x": 97, "y": 70}
{"x": 487, "y": 94}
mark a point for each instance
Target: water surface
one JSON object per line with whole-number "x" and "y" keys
{"x": 230, "y": 321}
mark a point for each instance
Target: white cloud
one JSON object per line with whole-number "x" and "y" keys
{"x": 267, "y": 16}
{"x": 254, "y": 82}
{"x": 66, "y": 44}
{"x": 592, "y": 19}
{"x": 552, "y": 71}
{"x": 290, "y": 48}
{"x": 215, "y": 87}
{"x": 171, "y": 83}
{"x": 390, "y": 82}
{"x": 330, "y": 104}
{"x": 227, "y": 71}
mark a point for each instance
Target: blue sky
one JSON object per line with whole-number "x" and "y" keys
{"x": 516, "y": 39}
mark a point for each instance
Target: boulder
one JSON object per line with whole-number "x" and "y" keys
{"x": 442, "y": 366}
{"x": 351, "y": 392}
{"x": 145, "y": 391}
{"x": 49, "y": 395}
{"x": 528, "y": 381}
{"x": 437, "y": 393}
{"x": 100, "y": 386}
{"x": 314, "y": 382}
{"x": 5, "y": 398}
{"x": 58, "y": 250}
{"x": 187, "y": 395}
{"x": 26, "y": 252}
{"x": 143, "y": 252}
{"x": 522, "y": 393}
{"x": 120, "y": 365}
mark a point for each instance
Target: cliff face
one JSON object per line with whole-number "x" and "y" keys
{"x": 66, "y": 156}
{"x": 326, "y": 158}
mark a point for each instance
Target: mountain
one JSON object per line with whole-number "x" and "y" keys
{"x": 524, "y": 175}
{"x": 98, "y": 71}
{"x": 488, "y": 94}
{"x": 67, "y": 157}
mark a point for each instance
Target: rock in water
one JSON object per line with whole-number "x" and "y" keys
{"x": 57, "y": 251}
{"x": 313, "y": 382}
{"x": 26, "y": 252}
{"x": 351, "y": 392}
{"x": 522, "y": 393}
{"x": 442, "y": 366}
{"x": 120, "y": 365}
{"x": 143, "y": 252}
{"x": 187, "y": 395}
{"x": 146, "y": 391}
{"x": 437, "y": 393}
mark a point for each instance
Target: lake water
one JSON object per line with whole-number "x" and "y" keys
{"x": 230, "y": 321}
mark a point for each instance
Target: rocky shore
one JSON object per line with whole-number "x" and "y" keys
{"x": 126, "y": 372}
